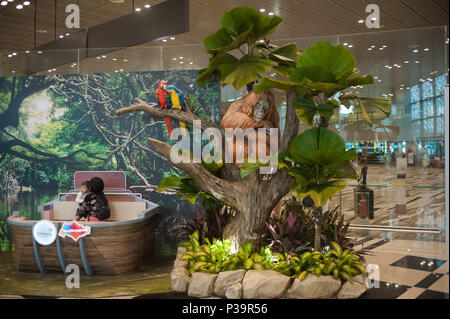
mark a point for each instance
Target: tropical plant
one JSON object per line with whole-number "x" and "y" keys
{"x": 245, "y": 30}
{"x": 322, "y": 72}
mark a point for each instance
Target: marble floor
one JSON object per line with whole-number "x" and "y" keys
{"x": 407, "y": 269}
{"x": 425, "y": 198}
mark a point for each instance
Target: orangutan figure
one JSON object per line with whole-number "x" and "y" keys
{"x": 252, "y": 111}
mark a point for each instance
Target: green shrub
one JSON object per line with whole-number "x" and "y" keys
{"x": 216, "y": 257}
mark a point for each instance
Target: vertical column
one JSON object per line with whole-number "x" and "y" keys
{"x": 446, "y": 142}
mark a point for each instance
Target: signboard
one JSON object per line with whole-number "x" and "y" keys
{"x": 74, "y": 230}
{"x": 44, "y": 232}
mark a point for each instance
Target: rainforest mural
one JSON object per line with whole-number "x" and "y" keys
{"x": 54, "y": 125}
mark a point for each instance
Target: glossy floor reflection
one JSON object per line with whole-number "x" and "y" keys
{"x": 425, "y": 200}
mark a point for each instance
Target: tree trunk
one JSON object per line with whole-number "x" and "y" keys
{"x": 317, "y": 226}
{"x": 252, "y": 197}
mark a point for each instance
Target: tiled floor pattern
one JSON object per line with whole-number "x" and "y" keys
{"x": 425, "y": 206}
{"x": 408, "y": 269}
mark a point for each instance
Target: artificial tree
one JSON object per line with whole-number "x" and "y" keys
{"x": 244, "y": 31}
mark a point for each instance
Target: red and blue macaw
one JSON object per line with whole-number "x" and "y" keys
{"x": 163, "y": 97}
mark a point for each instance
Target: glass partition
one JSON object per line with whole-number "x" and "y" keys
{"x": 404, "y": 192}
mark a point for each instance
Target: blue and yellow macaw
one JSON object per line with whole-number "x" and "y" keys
{"x": 176, "y": 101}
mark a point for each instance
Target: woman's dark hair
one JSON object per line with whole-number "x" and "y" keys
{"x": 96, "y": 185}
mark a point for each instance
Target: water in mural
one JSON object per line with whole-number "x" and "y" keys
{"x": 52, "y": 126}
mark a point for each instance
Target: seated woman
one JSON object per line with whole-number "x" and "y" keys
{"x": 95, "y": 206}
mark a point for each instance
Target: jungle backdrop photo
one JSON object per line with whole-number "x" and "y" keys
{"x": 52, "y": 126}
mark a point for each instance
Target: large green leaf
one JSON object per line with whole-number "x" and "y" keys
{"x": 169, "y": 182}
{"x": 313, "y": 73}
{"x": 321, "y": 86}
{"x": 288, "y": 52}
{"x": 337, "y": 60}
{"x": 234, "y": 44}
{"x": 217, "y": 40}
{"x": 320, "y": 193}
{"x": 246, "y": 70}
{"x": 267, "y": 84}
{"x": 305, "y": 110}
{"x": 319, "y": 146}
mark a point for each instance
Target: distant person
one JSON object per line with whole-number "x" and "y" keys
{"x": 95, "y": 206}
{"x": 84, "y": 189}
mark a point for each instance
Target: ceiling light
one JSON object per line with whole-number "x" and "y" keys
{"x": 181, "y": 57}
{"x": 117, "y": 71}
{"x": 53, "y": 70}
{"x": 121, "y": 70}
{"x": 361, "y": 21}
{"x": 417, "y": 62}
{"x": 262, "y": 10}
{"x": 61, "y": 36}
{"x": 174, "y": 59}
{"x": 103, "y": 56}
{"x": 98, "y": 58}
{"x": 9, "y": 55}
{"x": 172, "y": 38}
{"x": 114, "y": 59}
{"x": 385, "y": 46}
{"x": 39, "y": 52}
{"x": 375, "y": 77}
{"x": 67, "y": 34}
{"x": 147, "y": 6}
{"x": 19, "y": 7}
{"x": 14, "y": 53}
{"x": 191, "y": 62}
{"x": 345, "y": 44}
{"x": 165, "y": 40}
{"x": 350, "y": 46}
{"x": 381, "y": 49}
{"x": 27, "y": 52}
{"x": 138, "y": 9}
{"x": 13, "y": 71}
{"x": 4, "y": 3}
{"x": 406, "y": 62}
{"x": 426, "y": 49}
{"x": 125, "y": 60}
{"x": 370, "y": 49}
{"x": 26, "y": 3}
{"x": 415, "y": 51}
{"x": 271, "y": 13}
{"x": 181, "y": 62}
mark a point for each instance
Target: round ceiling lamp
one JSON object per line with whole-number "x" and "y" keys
{"x": 117, "y": 1}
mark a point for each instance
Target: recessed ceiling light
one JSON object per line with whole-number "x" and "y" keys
{"x": 125, "y": 60}
{"x": 345, "y": 44}
{"x": 121, "y": 70}
{"x": 103, "y": 56}
{"x": 67, "y": 34}
{"x": 174, "y": 59}
{"x": 417, "y": 62}
{"x": 10, "y": 55}
{"x": 181, "y": 57}
{"x": 375, "y": 77}
{"x": 262, "y": 10}
{"x": 370, "y": 49}
{"x": 147, "y": 6}
{"x": 138, "y": 9}
{"x": 172, "y": 38}
{"x": 117, "y": 71}
{"x": 98, "y": 58}
{"x": 19, "y": 7}
{"x": 415, "y": 51}
{"x": 26, "y": 3}
{"x": 181, "y": 62}
{"x": 13, "y": 71}
{"x": 14, "y": 53}
{"x": 165, "y": 40}
{"x": 385, "y": 46}
{"x": 27, "y": 52}
{"x": 271, "y": 13}
{"x": 350, "y": 45}
{"x": 53, "y": 70}
{"x": 381, "y": 49}
{"x": 114, "y": 59}
{"x": 361, "y": 21}
{"x": 406, "y": 62}
{"x": 426, "y": 49}
{"x": 4, "y": 3}
{"x": 61, "y": 36}
{"x": 39, "y": 52}
{"x": 191, "y": 62}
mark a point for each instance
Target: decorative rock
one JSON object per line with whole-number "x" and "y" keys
{"x": 264, "y": 284}
{"x": 202, "y": 284}
{"x": 353, "y": 290}
{"x": 313, "y": 287}
{"x": 180, "y": 263}
{"x": 227, "y": 279}
{"x": 234, "y": 291}
{"x": 181, "y": 251}
{"x": 180, "y": 279}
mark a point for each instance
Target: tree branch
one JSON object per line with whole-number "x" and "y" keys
{"x": 151, "y": 109}
{"x": 225, "y": 191}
